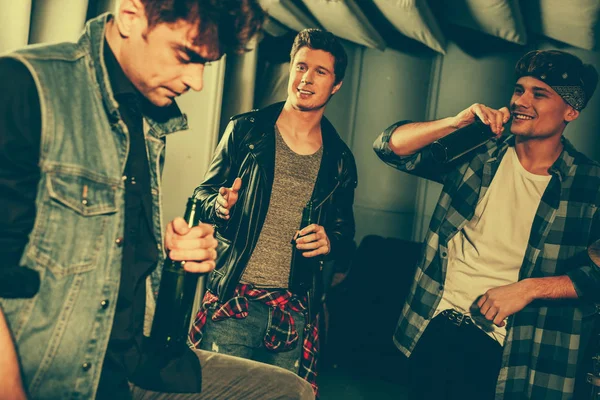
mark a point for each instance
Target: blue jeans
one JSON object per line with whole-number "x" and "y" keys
{"x": 245, "y": 337}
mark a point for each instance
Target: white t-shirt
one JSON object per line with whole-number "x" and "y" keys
{"x": 488, "y": 252}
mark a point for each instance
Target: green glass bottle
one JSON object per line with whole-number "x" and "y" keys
{"x": 301, "y": 278}
{"x": 175, "y": 297}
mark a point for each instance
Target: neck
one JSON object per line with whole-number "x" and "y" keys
{"x": 537, "y": 155}
{"x": 300, "y": 123}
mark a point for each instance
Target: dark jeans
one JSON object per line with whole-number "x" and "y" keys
{"x": 454, "y": 362}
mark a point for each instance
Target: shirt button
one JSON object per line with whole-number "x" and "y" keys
{"x": 441, "y": 287}
{"x": 86, "y": 366}
{"x": 124, "y": 178}
{"x": 444, "y": 254}
{"x": 104, "y": 304}
{"x": 119, "y": 241}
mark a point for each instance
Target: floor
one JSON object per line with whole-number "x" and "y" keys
{"x": 361, "y": 374}
{"x": 340, "y": 383}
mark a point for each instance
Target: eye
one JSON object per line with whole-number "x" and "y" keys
{"x": 300, "y": 67}
{"x": 321, "y": 72}
{"x": 539, "y": 95}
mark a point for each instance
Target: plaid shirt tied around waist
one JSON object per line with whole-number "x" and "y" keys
{"x": 545, "y": 341}
{"x": 281, "y": 332}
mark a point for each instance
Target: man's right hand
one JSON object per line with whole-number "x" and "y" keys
{"x": 227, "y": 198}
{"x": 489, "y": 116}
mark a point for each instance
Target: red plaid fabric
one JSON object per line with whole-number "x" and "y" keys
{"x": 281, "y": 333}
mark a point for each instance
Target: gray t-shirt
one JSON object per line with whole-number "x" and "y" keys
{"x": 295, "y": 176}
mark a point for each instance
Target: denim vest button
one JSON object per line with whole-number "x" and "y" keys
{"x": 86, "y": 366}
{"x": 104, "y": 304}
{"x": 119, "y": 241}
{"x": 251, "y": 147}
{"x": 124, "y": 178}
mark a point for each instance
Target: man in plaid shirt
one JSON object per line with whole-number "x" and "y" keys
{"x": 505, "y": 295}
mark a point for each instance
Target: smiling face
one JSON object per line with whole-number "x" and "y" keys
{"x": 537, "y": 110}
{"x": 312, "y": 79}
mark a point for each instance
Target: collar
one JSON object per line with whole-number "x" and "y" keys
{"x": 562, "y": 167}
{"x": 267, "y": 117}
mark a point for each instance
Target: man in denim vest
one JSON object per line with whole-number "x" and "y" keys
{"x": 83, "y": 130}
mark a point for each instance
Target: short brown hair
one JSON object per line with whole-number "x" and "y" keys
{"x": 318, "y": 39}
{"x": 226, "y": 26}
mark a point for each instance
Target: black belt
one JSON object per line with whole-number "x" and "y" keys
{"x": 457, "y": 318}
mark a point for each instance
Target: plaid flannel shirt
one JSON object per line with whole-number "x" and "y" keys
{"x": 281, "y": 333}
{"x": 545, "y": 340}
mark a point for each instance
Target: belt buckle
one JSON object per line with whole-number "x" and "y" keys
{"x": 456, "y": 317}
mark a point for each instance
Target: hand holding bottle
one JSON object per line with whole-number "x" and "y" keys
{"x": 227, "y": 198}
{"x": 196, "y": 245}
{"x": 313, "y": 241}
{"x": 489, "y": 116}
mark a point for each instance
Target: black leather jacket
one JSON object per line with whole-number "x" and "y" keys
{"x": 247, "y": 150}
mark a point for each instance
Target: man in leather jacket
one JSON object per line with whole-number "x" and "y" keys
{"x": 265, "y": 292}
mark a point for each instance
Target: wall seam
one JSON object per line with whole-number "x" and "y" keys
{"x": 420, "y": 223}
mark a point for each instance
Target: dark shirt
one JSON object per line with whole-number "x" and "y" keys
{"x": 128, "y": 357}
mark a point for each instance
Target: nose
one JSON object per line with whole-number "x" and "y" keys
{"x": 524, "y": 100}
{"x": 194, "y": 77}
{"x": 307, "y": 77}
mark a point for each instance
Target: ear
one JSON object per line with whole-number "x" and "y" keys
{"x": 130, "y": 17}
{"x": 336, "y": 88}
{"x": 571, "y": 114}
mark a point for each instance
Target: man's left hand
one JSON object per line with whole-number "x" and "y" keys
{"x": 499, "y": 303}
{"x": 313, "y": 241}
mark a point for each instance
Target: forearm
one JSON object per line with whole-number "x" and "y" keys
{"x": 550, "y": 288}
{"x": 11, "y": 386}
{"x": 409, "y": 138}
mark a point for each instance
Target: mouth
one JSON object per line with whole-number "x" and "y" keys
{"x": 304, "y": 91}
{"x": 172, "y": 93}
{"x": 522, "y": 117}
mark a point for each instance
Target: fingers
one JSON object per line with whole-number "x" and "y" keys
{"x": 506, "y": 114}
{"x": 237, "y": 185}
{"x": 196, "y": 255}
{"x": 314, "y": 241}
{"x": 222, "y": 205}
{"x": 179, "y": 226}
{"x": 199, "y": 267}
{"x": 227, "y": 198}
{"x": 308, "y": 229}
{"x": 197, "y": 244}
{"x": 490, "y": 311}
{"x": 499, "y": 319}
{"x": 489, "y": 116}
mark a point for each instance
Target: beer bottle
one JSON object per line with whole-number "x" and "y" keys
{"x": 175, "y": 297}
{"x": 461, "y": 141}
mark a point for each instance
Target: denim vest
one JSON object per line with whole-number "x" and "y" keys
{"x": 62, "y": 333}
